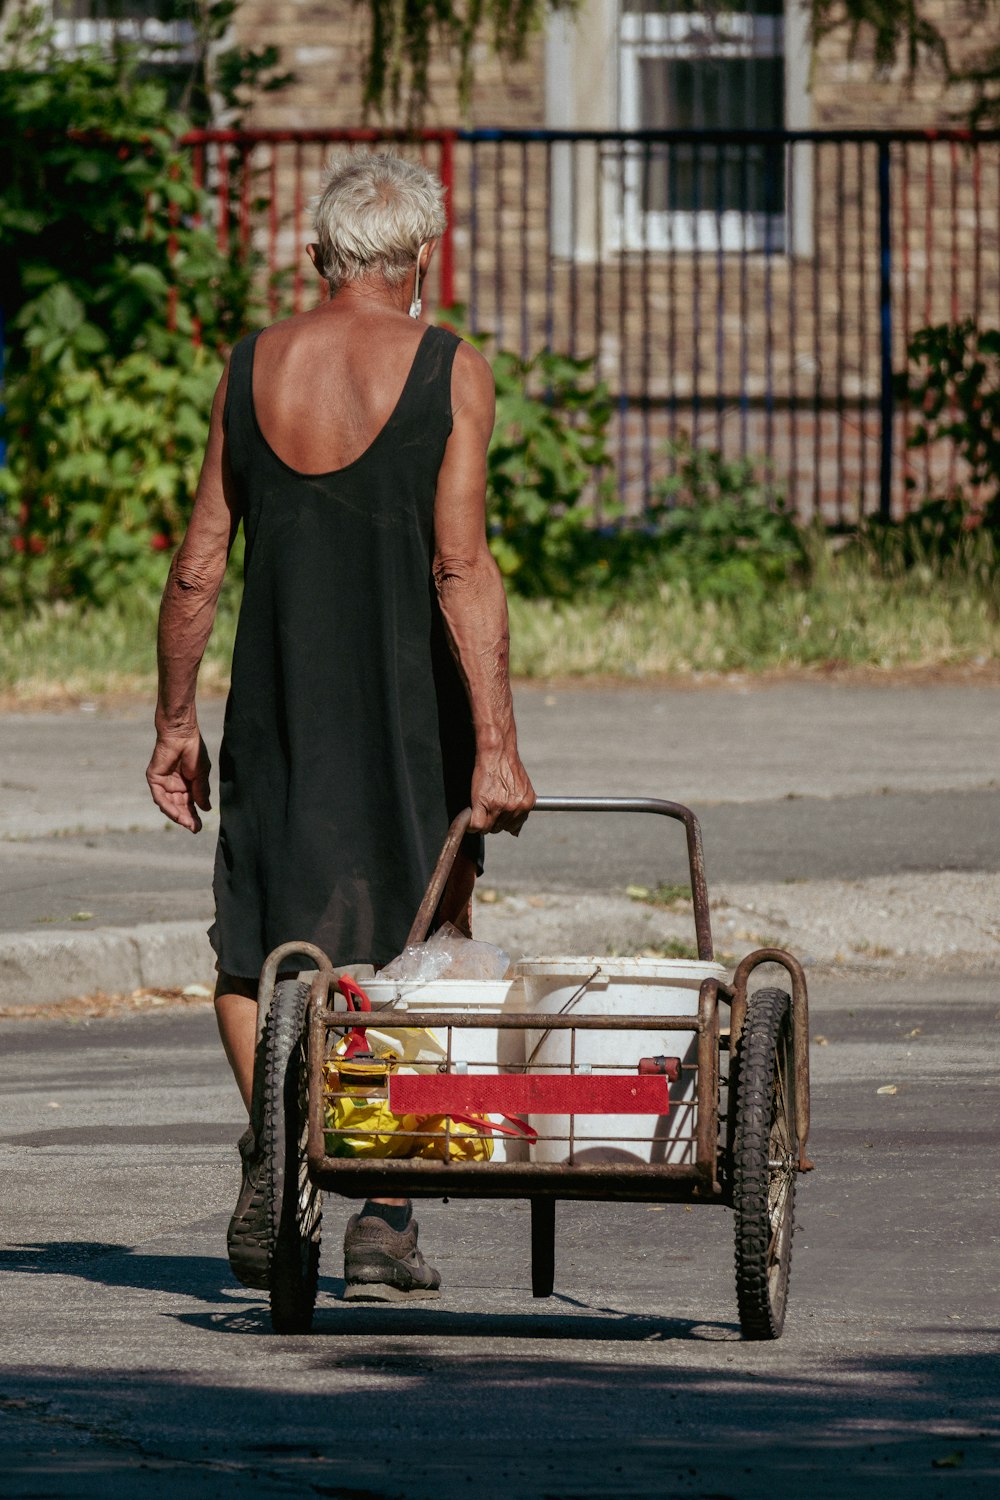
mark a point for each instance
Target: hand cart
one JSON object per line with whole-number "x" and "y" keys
{"x": 748, "y": 1070}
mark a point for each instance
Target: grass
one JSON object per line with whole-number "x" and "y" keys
{"x": 673, "y": 947}
{"x": 65, "y": 651}
{"x": 848, "y": 615}
{"x": 664, "y": 894}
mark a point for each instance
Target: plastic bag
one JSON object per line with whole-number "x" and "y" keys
{"x": 449, "y": 954}
{"x": 357, "y": 1119}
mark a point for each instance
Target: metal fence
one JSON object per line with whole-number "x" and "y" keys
{"x": 754, "y": 291}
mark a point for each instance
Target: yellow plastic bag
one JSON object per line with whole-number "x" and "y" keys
{"x": 358, "y": 1121}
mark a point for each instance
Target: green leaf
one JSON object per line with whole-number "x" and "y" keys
{"x": 149, "y": 278}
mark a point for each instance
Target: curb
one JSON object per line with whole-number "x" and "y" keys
{"x": 38, "y": 968}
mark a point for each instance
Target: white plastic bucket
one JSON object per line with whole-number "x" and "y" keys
{"x": 479, "y": 1049}
{"x": 615, "y": 987}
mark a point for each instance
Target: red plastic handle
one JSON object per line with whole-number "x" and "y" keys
{"x": 356, "y": 1040}
{"x": 669, "y": 1067}
{"x": 510, "y": 1125}
{"x": 352, "y": 992}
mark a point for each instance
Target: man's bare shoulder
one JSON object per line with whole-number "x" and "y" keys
{"x": 473, "y": 364}
{"x": 472, "y": 381}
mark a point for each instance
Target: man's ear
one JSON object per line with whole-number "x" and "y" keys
{"x": 426, "y": 256}
{"x": 312, "y": 250}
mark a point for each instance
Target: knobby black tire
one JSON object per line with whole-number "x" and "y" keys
{"x": 765, "y": 1161}
{"x": 294, "y": 1204}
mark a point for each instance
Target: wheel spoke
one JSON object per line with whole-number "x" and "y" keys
{"x": 779, "y": 1123}
{"x": 776, "y": 1215}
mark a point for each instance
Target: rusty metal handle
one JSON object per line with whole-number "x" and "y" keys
{"x": 675, "y": 810}
{"x": 439, "y": 879}
{"x": 269, "y": 974}
{"x": 800, "y": 1029}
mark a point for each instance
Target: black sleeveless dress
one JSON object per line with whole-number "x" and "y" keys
{"x": 348, "y": 743}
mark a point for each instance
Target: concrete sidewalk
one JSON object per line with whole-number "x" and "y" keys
{"x": 814, "y": 798}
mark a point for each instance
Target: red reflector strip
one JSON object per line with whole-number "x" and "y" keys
{"x": 527, "y": 1094}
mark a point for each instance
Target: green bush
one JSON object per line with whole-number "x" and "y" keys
{"x": 717, "y": 524}
{"x": 941, "y": 538}
{"x": 101, "y": 478}
{"x": 549, "y": 452}
{"x": 110, "y": 278}
{"x": 953, "y": 381}
{"x": 99, "y": 202}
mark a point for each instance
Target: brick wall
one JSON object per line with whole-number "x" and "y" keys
{"x": 847, "y": 94}
{"x": 324, "y": 44}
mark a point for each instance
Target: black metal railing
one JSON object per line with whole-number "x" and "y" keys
{"x": 754, "y": 291}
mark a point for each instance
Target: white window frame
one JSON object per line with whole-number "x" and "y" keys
{"x": 169, "y": 42}
{"x": 683, "y": 34}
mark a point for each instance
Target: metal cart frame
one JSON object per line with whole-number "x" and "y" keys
{"x": 714, "y": 1173}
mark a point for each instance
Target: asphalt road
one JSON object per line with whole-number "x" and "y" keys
{"x": 727, "y": 742}
{"x": 134, "y": 1365}
{"x": 120, "y": 878}
{"x": 792, "y": 781}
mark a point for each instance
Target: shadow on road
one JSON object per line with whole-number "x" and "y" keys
{"x": 426, "y": 1421}
{"x": 598, "y": 1325}
{"x": 563, "y": 1400}
{"x": 209, "y": 1279}
{"x": 202, "y": 1276}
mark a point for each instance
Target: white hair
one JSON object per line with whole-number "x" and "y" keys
{"x": 373, "y": 215}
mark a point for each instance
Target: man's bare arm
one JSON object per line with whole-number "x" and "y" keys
{"x": 178, "y": 771}
{"x": 473, "y": 603}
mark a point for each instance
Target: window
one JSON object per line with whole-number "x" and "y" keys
{"x": 166, "y": 41}
{"x": 685, "y": 67}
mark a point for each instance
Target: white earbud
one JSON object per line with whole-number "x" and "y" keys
{"x": 416, "y": 305}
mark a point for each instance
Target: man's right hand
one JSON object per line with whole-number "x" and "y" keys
{"x": 502, "y": 794}
{"x": 178, "y": 778}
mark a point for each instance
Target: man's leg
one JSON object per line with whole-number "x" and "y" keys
{"x": 247, "y": 1236}
{"x": 382, "y": 1261}
{"x": 236, "y": 1015}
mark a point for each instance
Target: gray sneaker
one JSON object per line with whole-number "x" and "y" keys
{"x": 247, "y": 1237}
{"x": 382, "y": 1264}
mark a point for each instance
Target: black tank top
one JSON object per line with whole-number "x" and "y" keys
{"x": 348, "y": 742}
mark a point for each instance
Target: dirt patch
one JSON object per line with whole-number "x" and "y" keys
{"x": 945, "y": 919}
{"x": 971, "y": 673}
{"x": 89, "y": 1007}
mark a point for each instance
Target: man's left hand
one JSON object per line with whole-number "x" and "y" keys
{"x": 502, "y": 794}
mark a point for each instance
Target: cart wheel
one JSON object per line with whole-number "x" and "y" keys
{"x": 765, "y": 1156}
{"x": 294, "y": 1203}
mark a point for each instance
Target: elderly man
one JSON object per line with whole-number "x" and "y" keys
{"x": 370, "y": 696}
